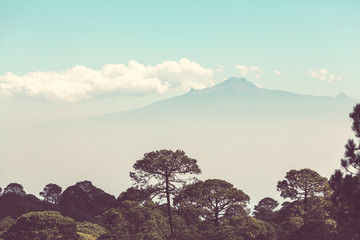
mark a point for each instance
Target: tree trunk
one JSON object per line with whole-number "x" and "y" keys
{"x": 305, "y": 202}
{"x": 168, "y": 205}
{"x": 216, "y": 213}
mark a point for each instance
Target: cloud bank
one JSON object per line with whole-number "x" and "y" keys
{"x": 323, "y": 75}
{"x": 245, "y": 70}
{"x": 81, "y": 82}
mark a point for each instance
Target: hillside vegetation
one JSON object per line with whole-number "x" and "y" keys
{"x": 167, "y": 201}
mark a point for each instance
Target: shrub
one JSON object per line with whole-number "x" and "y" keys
{"x": 47, "y": 225}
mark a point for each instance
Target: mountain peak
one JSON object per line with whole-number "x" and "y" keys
{"x": 236, "y": 82}
{"x": 342, "y": 95}
{"x": 233, "y": 84}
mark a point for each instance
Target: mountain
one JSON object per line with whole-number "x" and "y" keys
{"x": 238, "y": 132}
{"x": 237, "y": 97}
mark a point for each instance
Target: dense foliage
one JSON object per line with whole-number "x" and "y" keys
{"x": 166, "y": 202}
{"x": 42, "y": 225}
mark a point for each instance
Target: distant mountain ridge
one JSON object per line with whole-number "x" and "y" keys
{"x": 240, "y": 86}
{"x": 237, "y": 97}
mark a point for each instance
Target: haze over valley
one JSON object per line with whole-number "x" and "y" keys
{"x": 247, "y": 135}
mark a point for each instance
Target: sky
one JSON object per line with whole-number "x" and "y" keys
{"x": 68, "y": 59}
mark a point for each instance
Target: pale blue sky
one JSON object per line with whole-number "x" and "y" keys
{"x": 293, "y": 37}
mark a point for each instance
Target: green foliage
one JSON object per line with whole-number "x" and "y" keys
{"x": 89, "y": 228}
{"x": 5, "y": 224}
{"x": 346, "y": 195}
{"x": 164, "y": 172}
{"x": 83, "y": 201}
{"x": 84, "y": 236}
{"x": 295, "y": 222}
{"x": 290, "y": 217}
{"x": 355, "y": 116}
{"x": 162, "y": 165}
{"x": 240, "y": 228}
{"x": 14, "y": 188}
{"x": 51, "y": 193}
{"x": 14, "y": 205}
{"x": 185, "y": 231}
{"x": 351, "y": 160}
{"x": 211, "y": 199}
{"x": 136, "y": 195}
{"x": 48, "y": 225}
{"x": 346, "y": 203}
{"x": 241, "y": 224}
{"x": 315, "y": 231}
{"x": 267, "y": 203}
{"x": 264, "y": 209}
{"x": 133, "y": 221}
{"x": 302, "y": 185}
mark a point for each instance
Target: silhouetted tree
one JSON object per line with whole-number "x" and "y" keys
{"x": 311, "y": 193}
{"x": 351, "y": 160}
{"x": 15, "y": 188}
{"x": 211, "y": 198}
{"x": 14, "y": 205}
{"x": 136, "y": 195}
{"x": 164, "y": 171}
{"x": 83, "y": 201}
{"x": 355, "y": 116}
{"x": 74, "y": 203}
{"x": 267, "y": 203}
{"x": 346, "y": 199}
{"x": 302, "y": 185}
{"x": 264, "y": 209}
{"x": 51, "y": 193}
{"x": 346, "y": 186}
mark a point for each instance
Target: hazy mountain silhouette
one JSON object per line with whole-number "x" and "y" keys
{"x": 238, "y": 132}
{"x": 238, "y": 98}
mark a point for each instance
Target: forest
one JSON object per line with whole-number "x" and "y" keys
{"x": 167, "y": 201}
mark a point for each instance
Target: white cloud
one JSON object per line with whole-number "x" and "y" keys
{"x": 257, "y": 76}
{"x": 219, "y": 68}
{"x": 323, "y": 75}
{"x": 277, "y": 72}
{"x": 246, "y": 70}
{"x": 81, "y": 82}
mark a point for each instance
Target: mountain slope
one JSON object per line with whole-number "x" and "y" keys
{"x": 236, "y": 97}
